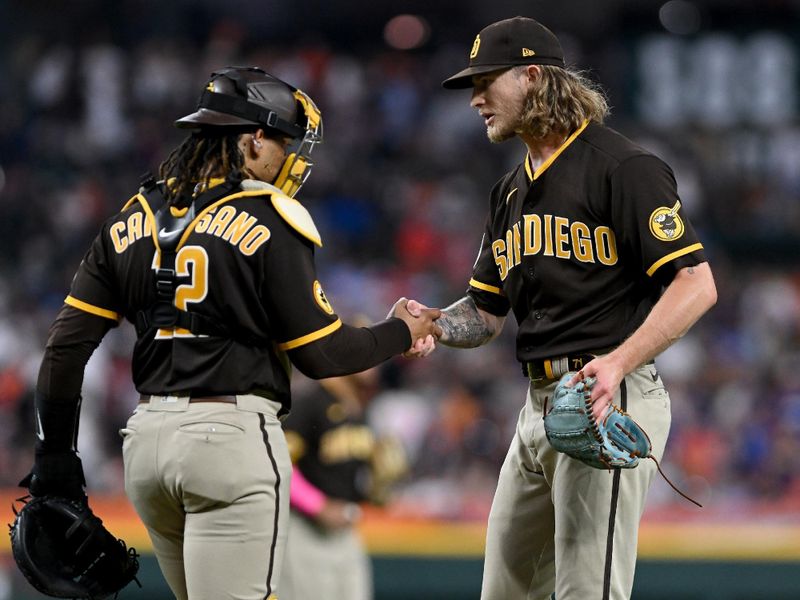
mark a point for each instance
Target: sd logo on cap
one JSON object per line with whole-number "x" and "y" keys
{"x": 516, "y": 41}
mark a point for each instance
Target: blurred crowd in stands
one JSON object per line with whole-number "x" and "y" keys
{"x": 399, "y": 193}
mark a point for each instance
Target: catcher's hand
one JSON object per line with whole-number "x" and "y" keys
{"x": 64, "y": 550}
{"x": 614, "y": 441}
{"x": 56, "y": 473}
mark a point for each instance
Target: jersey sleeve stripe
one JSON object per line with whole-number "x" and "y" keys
{"x": 485, "y": 287}
{"x": 669, "y": 257}
{"x": 311, "y": 337}
{"x": 90, "y": 308}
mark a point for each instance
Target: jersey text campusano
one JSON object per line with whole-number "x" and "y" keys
{"x": 239, "y": 230}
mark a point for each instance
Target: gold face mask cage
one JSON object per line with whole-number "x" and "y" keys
{"x": 297, "y": 166}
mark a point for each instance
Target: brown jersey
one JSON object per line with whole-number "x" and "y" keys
{"x": 581, "y": 249}
{"x": 246, "y": 262}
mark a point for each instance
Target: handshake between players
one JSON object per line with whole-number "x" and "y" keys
{"x": 421, "y": 322}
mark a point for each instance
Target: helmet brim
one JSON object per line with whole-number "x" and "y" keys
{"x": 205, "y": 117}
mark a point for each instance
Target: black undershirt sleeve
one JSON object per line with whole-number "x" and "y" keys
{"x": 74, "y": 336}
{"x": 352, "y": 349}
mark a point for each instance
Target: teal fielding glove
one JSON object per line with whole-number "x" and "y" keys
{"x": 615, "y": 441}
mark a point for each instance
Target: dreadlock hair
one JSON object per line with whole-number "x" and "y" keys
{"x": 204, "y": 154}
{"x": 561, "y": 101}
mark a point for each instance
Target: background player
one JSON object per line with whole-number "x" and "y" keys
{"x": 575, "y": 246}
{"x": 338, "y": 464}
{"x": 215, "y": 266}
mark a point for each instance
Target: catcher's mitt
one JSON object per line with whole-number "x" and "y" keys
{"x": 64, "y": 550}
{"x": 616, "y": 441}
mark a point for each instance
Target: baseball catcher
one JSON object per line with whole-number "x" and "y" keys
{"x": 615, "y": 441}
{"x": 64, "y": 551}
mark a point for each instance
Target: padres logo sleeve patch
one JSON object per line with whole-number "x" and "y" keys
{"x": 321, "y": 298}
{"x": 666, "y": 224}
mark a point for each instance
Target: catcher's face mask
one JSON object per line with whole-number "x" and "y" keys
{"x": 297, "y": 166}
{"x": 248, "y": 96}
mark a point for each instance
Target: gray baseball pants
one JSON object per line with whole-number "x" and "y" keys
{"x": 559, "y": 525}
{"x": 210, "y": 481}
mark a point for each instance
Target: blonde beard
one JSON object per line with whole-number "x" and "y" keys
{"x": 501, "y": 134}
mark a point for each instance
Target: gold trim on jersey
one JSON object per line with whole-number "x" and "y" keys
{"x": 543, "y": 167}
{"x": 672, "y": 256}
{"x": 91, "y": 308}
{"x": 132, "y": 199}
{"x": 150, "y": 215}
{"x": 311, "y": 337}
{"x": 508, "y": 197}
{"x": 485, "y": 287}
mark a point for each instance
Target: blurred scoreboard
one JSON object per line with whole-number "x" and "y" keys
{"x": 717, "y": 79}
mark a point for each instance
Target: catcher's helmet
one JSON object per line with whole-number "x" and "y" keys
{"x": 248, "y": 97}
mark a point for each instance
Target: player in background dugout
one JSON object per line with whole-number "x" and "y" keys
{"x": 338, "y": 463}
{"x": 214, "y": 265}
{"x": 587, "y": 242}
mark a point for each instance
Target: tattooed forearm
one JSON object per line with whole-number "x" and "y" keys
{"x": 463, "y": 326}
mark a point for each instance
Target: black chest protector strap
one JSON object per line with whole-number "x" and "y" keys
{"x": 163, "y": 314}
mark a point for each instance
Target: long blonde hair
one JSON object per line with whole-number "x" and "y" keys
{"x": 561, "y": 101}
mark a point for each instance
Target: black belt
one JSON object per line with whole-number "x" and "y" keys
{"x": 554, "y": 368}
{"x": 143, "y": 399}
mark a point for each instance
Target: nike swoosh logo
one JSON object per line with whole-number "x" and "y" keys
{"x": 167, "y": 234}
{"x": 39, "y": 430}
